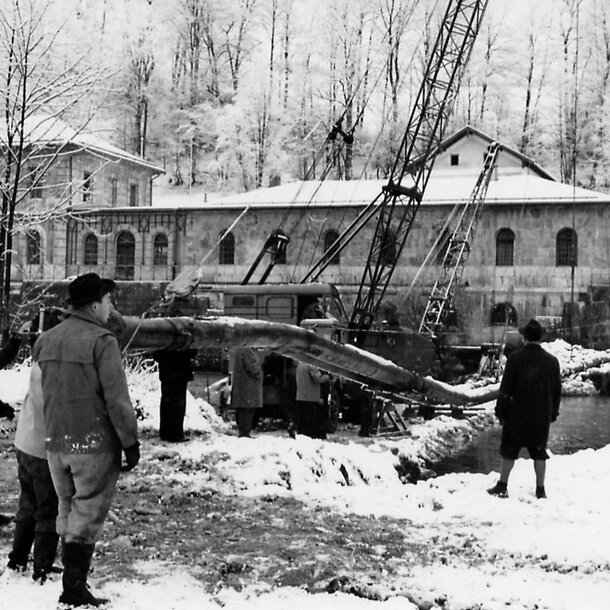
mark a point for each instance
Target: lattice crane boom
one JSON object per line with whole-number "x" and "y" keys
{"x": 397, "y": 205}
{"x": 440, "y": 300}
{"x": 417, "y": 153}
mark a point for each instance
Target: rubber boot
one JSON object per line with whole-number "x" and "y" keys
{"x": 45, "y": 549}
{"x": 22, "y": 544}
{"x": 77, "y": 560}
{"x": 500, "y": 489}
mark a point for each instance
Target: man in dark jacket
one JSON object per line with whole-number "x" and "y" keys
{"x": 175, "y": 371}
{"x": 89, "y": 421}
{"x": 530, "y": 393}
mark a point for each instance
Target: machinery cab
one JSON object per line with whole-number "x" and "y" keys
{"x": 287, "y": 303}
{"x": 316, "y": 303}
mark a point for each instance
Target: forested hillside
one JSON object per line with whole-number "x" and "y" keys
{"x": 236, "y": 94}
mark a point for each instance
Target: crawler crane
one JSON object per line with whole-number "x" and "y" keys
{"x": 394, "y": 209}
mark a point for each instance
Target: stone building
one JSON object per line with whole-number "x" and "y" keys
{"x": 541, "y": 248}
{"x": 82, "y": 172}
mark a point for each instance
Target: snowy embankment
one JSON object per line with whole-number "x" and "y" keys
{"x": 550, "y": 554}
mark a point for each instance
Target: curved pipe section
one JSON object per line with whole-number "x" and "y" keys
{"x": 347, "y": 361}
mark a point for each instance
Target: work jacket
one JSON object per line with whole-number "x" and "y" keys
{"x": 309, "y": 380}
{"x": 87, "y": 408}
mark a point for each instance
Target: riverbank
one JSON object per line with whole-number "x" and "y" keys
{"x": 222, "y": 522}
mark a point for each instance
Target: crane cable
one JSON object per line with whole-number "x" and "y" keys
{"x": 346, "y": 135}
{"x": 385, "y": 121}
{"x": 321, "y": 151}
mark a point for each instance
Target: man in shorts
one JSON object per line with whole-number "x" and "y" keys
{"x": 530, "y": 392}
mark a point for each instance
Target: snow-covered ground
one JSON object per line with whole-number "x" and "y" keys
{"x": 552, "y": 553}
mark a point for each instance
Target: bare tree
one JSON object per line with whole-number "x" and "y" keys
{"x": 395, "y": 17}
{"x": 534, "y": 84}
{"x": 492, "y": 46}
{"x": 568, "y": 125}
{"x": 39, "y": 88}
{"x": 140, "y": 69}
{"x": 287, "y": 6}
{"x": 350, "y": 41}
{"x": 599, "y": 28}
{"x": 236, "y": 38}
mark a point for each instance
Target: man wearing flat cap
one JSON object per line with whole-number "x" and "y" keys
{"x": 530, "y": 392}
{"x": 89, "y": 423}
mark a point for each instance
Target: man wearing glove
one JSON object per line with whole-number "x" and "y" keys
{"x": 89, "y": 423}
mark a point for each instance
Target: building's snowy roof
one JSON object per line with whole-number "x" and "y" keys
{"x": 446, "y": 187}
{"x": 516, "y": 180}
{"x": 44, "y": 129}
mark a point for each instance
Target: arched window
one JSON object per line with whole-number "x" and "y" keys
{"x": 566, "y": 250}
{"x": 90, "y": 250}
{"x": 33, "y": 249}
{"x": 160, "y": 246}
{"x": 125, "y": 256}
{"x": 505, "y": 248}
{"x": 329, "y": 239}
{"x": 504, "y": 313}
{"x": 226, "y": 250}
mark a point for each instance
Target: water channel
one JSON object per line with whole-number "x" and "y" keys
{"x": 583, "y": 422}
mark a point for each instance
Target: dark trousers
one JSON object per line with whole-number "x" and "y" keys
{"x": 244, "y": 418}
{"x": 172, "y": 409}
{"x": 311, "y": 419}
{"x": 37, "y": 500}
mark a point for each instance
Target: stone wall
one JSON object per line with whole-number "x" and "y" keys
{"x": 534, "y": 285}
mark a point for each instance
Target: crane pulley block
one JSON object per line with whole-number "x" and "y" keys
{"x": 399, "y": 190}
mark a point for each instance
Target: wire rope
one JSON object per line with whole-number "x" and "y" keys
{"x": 384, "y": 122}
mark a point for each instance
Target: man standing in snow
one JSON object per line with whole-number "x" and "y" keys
{"x": 89, "y": 422}
{"x": 175, "y": 371}
{"x": 529, "y": 398}
{"x": 246, "y": 387}
{"x": 311, "y": 412}
{"x": 35, "y": 521}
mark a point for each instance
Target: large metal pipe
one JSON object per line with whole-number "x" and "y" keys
{"x": 347, "y": 361}
{"x": 293, "y": 341}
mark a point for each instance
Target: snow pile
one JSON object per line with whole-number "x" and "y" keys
{"x": 575, "y": 358}
{"x": 271, "y": 465}
{"x": 427, "y": 442}
{"x": 491, "y": 553}
{"x": 15, "y": 382}
{"x": 341, "y": 475}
